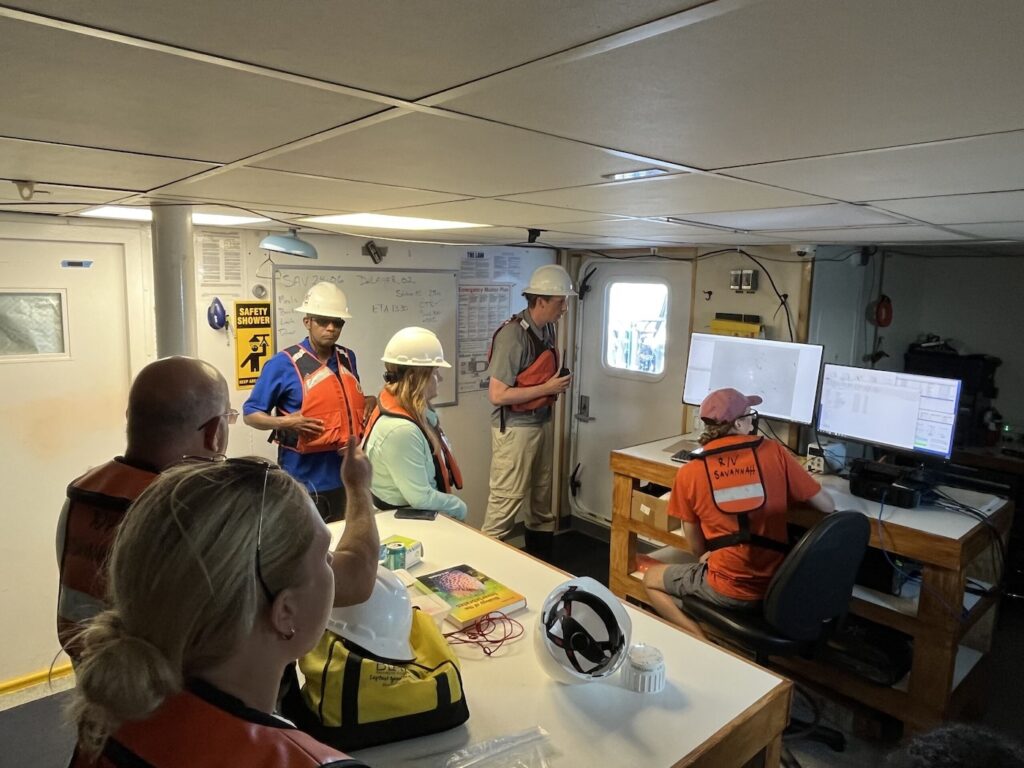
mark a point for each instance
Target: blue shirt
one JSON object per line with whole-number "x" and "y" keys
{"x": 279, "y": 387}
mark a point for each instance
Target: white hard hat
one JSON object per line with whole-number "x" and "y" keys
{"x": 415, "y": 346}
{"x": 583, "y": 633}
{"x": 550, "y": 280}
{"x": 326, "y": 300}
{"x": 380, "y": 627}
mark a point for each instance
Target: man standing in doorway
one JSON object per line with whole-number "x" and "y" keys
{"x": 309, "y": 396}
{"x": 526, "y": 379}
{"x": 177, "y": 407}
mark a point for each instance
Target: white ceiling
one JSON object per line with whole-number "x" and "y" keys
{"x": 779, "y": 121}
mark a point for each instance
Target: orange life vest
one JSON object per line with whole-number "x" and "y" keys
{"x": 737, "y": 488}
{"x": 97, "y": 502}
{"x": 447, "y": 474}
{"x": 543, "y": 367}
{"x": 336, "y": 398}
{"x": 189, "y": 731}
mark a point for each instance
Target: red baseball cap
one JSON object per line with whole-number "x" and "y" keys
{"x": 727, "y": 405}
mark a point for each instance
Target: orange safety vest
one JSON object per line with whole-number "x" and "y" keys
{"x": 188, "y": 731}
{"x": 543, "y": 367}
{"x": 336, "y": 398}
{"x": 737, "y": 488}
{"x": 97, "y": 502}
{"x": 447, "y": 474}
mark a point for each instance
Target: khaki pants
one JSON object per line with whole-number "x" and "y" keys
{"x": 520, "y": 468}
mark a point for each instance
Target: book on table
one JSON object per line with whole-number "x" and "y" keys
{"x": 471, "y": 594}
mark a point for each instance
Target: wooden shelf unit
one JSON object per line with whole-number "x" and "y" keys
{"x": 942, "y": 624}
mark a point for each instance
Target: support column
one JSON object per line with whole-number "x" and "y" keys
{"x": 174, "y": 280}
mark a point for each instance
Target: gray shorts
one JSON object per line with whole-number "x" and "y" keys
{"x": 689, "y": 579}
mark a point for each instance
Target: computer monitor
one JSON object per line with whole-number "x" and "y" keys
{"x": 784, "y": 374}
{"x": 905, "y": 411}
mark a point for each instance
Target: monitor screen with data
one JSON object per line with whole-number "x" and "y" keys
{"x": 889, "y": 409}
{"x": 783, "y": 373}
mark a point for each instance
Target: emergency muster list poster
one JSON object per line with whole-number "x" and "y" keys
{"x": 482, "y": 308}
{"x": 254, "y": 341}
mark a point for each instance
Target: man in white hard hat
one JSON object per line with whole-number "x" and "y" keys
{"x": 526, "y": 379}
{"x": 310, "y": 397}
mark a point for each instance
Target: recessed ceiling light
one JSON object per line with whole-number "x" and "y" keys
{"x": 643, "y": 173}
{"x": 382, "y": 221}
{"x": 119, "y": 212}
{"x": 224, "y": 220}
{"x": 131, "y": 213}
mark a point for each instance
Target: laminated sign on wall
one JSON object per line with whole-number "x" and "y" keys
{"x": 254, "y": 342}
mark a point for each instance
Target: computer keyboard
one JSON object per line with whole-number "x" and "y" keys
{"x": 682, "y": 456}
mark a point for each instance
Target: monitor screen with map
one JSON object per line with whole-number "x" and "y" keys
{"x": 784, "y": 374}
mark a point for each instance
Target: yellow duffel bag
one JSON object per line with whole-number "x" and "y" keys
{"x": 354, "y": 698}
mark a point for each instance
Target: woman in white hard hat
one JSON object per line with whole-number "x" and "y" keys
{"x": 184, "y": 667}
{"x": 412, "y": 462}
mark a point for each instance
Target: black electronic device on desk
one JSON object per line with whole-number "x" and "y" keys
{"x": 897, "y": 486}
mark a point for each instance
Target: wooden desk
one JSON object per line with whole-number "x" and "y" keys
{"x": 716, "y": 710}
{"x": 951, "y": 630}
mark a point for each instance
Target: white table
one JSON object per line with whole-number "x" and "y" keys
{"x": 716, "y": 710}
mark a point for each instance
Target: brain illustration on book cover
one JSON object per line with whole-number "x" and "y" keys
{"x": 459, "y": 583}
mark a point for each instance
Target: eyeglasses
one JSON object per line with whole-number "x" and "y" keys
{"x": 751, "y": 414}
{"x": 324, "y": 322}
{"x": 253, "y": 464}
{"x": 231, "y": 416}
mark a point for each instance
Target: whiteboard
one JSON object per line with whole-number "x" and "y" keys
{"x": 381, "y": 302}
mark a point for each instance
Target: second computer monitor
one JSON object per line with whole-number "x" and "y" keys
{"x": 783, "y": 373}
{"x": 889, "y": 409}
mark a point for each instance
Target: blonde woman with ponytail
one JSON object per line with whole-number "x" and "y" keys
{"x": 220, "y": 576}
{"x": 413, "y": 465}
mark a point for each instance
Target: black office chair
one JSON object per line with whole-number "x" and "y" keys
{"x": 806, "y": 601}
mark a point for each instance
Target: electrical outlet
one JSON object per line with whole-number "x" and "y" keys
{"x": 815, "y": 465}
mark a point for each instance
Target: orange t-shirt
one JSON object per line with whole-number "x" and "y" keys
{"x": 743, "y": 571}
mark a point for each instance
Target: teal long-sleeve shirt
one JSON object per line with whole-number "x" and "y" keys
{"x": 403, "y": 467}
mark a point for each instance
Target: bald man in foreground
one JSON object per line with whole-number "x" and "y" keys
{"x": 177, "y": 407}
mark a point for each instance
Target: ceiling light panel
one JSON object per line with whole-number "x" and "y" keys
{"x": 381, "y": 221}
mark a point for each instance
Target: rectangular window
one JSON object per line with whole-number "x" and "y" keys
{"x": 33, "y": 324}
{"x": 635, "y": 327}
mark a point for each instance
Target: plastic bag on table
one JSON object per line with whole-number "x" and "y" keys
{"x": 524, "y": 749}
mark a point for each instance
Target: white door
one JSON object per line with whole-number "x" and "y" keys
{"x": 632, "y": 337}
{"x": 64, "y": 375}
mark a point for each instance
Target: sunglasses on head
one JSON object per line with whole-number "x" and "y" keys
{"x": 256, "y": 465}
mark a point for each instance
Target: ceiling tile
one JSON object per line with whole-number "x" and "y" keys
{"x": 80, "y": 166}
{"x": 492, "y": 211}
{"x": 981, "y": 164}
{"x": 68, "y": 88}
{"x": 833, "y": 215}
{"x": 386, "y": 46}
{"x": 995, "y": 231}
{"x": 635, "y": 228}
{"x": 676, "y": 195}
{"x": 780, "y": 80}
{"x": 262, "y": 187}
{"x": 468, "y": 158}
{"x": 866, "y": 235}
{"x": 959, "y": 209}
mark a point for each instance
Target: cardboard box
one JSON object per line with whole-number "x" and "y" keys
{"x": 653, "y": 511}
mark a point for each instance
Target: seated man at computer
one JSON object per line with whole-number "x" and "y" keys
{"x": 732, "y": 498}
